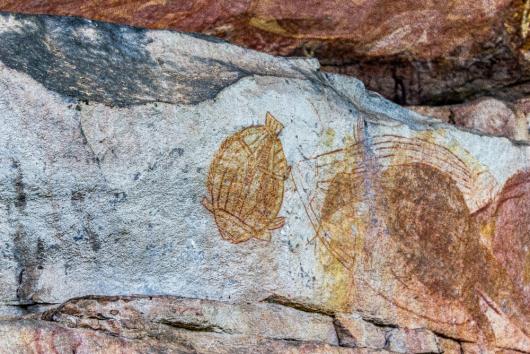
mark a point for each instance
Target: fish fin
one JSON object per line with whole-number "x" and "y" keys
{"x": 264, "y": 235}
{"x": 277, "y": 223}
{"x": 272, "y": 124}
{"x": 207, "y": 204}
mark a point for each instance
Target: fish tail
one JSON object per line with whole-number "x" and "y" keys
{"x": 272, "y": 124}
{"x": 265, "y": 235}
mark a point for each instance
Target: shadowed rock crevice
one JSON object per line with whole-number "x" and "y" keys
{"x": 297, "y": 305}
{"x": 441, "y": 81}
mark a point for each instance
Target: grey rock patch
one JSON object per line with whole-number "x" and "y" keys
{"x": 353, "y": 331}
{"x": 114, "y": 65}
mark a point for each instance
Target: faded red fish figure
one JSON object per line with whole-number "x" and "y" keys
{"x": 415, "y": 241}
{"x": 246, "y": 183}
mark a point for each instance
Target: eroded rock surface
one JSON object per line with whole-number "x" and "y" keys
{"x": 139, "y": 188}
{"x": 487, "y": 115}
{"x": 413, "y": 52}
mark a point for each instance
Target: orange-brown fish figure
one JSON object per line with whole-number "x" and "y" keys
{"x": 246, "y": 183}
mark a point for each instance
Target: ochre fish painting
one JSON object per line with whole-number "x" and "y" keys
{"x": 246, "y": 183}
{"x": 412, "y": 218}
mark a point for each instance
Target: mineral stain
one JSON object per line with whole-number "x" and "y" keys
{"x": 112, "y": 63}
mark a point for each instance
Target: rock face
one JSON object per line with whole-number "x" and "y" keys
{"x": 487, "y": 115}
{"x": 413, "y": 52}
{"x": 161, "y": 192}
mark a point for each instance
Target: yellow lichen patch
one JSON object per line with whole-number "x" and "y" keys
{"x": 340, "y": 224}
{"x": 525, "y": 23}
{"x": 526, "y": 271}
{"x": 329, "y": 137}
{"x": 27, "y": 338}
{"x": 337, "y": 283}
{"x": 427, "y": 135}
{"x": 343, "y": 222}
{"x": 269, "y": 25}
{"x": 349, "y": 140}
{"x": 487, "y": 231}
{"x": 520, "y": 24}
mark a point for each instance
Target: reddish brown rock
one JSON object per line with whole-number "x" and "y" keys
{"x": 472, "y": 348}
{"x": 511, "y": 239}
{"x": 40, "y": 337}
{"x": 166, "y": 324}
{"x": 412, "y": 341}
{"x": 487, "y": 115}
{"x": 424, "y": 30}
{"x": 505, "y": 227}
{"x": 449, "y": 346}
{"x": 130, "y": 315}
{"x": 411, "y": 51}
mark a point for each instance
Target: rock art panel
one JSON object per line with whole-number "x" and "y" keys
{"x": 397, "y": 212}
{"x": 341, "y": 176}
{"x": 407, "y": 227}
{"x": 444, "y": 253}
{"x": 246, "y": 183}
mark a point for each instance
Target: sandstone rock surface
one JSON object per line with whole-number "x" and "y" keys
{"x": 413, "y": 52}
{"x": 487, "y": 115}
{"x": 128, "y": 156}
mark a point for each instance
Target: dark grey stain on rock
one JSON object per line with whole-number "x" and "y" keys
{"x": 93, "y": 238}
{"x": 29, "y": 260}
{"x": 20, "y": 201}
{"x": 106, "y": 63}
{"x": 30, "y": 264}
{"x": 496, "y": 71}
{"x": 60, "y": 53}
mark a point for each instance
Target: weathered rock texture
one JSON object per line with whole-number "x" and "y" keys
{"x": 145, "y": 205}
{"x": 414, "y": 52}
{"x": 487, "y": 115}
